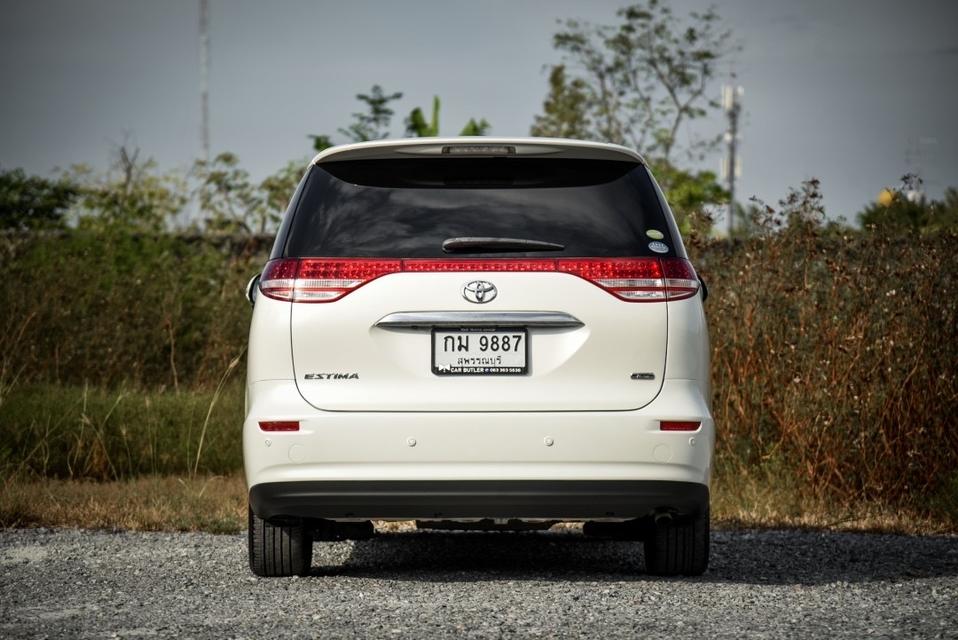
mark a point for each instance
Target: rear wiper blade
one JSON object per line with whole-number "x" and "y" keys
{"x": 493, "y": 245}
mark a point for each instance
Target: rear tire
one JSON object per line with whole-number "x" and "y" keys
{"x": 678, "y": 546}
{"x": 279, "y": 550}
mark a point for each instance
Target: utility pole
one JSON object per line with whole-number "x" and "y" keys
{"x": 914, "y": 162}
{"x": 205, "y": 78}
{"x": 732, "y": 167}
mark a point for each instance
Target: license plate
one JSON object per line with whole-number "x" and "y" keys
{"x": 483, "y": 352}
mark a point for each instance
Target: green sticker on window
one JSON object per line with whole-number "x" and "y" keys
{"x": 655, "y": 234}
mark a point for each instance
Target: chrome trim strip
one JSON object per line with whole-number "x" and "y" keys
{"x": 430, "y": 319}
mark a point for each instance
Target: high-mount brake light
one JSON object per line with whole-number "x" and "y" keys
{"x": 479, "y": 150}
{"x": 329, "y": 279}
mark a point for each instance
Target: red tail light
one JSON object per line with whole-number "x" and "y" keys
{"x": 329, "y": 279}
{"x": 637, "y": 279}
{"x": 321, "y": 279}
{"x": 632, "y": 279}
{"x": 278, "y": 279}
{"x": 681, "y": 281}
{"x": 495, "y": 264}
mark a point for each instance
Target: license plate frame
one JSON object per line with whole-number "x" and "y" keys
{"x": 480, "y": 369}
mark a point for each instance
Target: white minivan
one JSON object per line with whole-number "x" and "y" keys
{"x": 478, "y": 333}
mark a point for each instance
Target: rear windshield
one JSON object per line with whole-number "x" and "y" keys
{"x": 408, "y": 208}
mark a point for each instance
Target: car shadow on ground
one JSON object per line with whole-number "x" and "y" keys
{"x": 753, "y": 557}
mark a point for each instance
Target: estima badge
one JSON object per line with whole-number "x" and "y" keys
{"x": 331, "y": 376}
{"x": 479, "y": 291}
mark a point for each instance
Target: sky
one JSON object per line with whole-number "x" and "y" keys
{"x": 854, "y": 92}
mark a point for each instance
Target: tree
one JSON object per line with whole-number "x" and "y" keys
{"x": 227, "y": 197}
{"x": 321, "y": 142}
{"x": 565, "y": 109}
{"x": 32, "y": 202}
{"x": 948, "y": 212}
{"x": 640, "y": 82}
{"x": 234, "y": 204}
{"x": 474, "y": 128}
{"x": 374, "y": 123}
{"x": 802, "y": 211}
{"x": 690, "y": 195}
{"x": 416, "y": 125}
{"x": 277, "y": 189}
{"x": 907, "y": 209}
{"x": 131, "y": 195}
{"x": 371, "y": 124}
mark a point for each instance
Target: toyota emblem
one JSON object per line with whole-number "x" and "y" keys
{"x": 479, "y": 291}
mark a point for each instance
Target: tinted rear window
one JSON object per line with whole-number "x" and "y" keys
{"x": 407, "y": 208}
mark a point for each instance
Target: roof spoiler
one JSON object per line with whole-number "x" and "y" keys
{"x": 479, "y": 146}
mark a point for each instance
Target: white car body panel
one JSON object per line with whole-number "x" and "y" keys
{"x": 606, "y": 445}
{"x": 584, "y": 368}
{"x": 578, "y": 414}
{"x": 540, "y": 147}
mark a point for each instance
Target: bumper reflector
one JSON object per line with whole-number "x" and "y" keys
{"x": 279, "y": 425}
{"x": 674, "y": 425}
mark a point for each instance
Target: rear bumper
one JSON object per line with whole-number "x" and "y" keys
{"x": 445, "y": 499}
{"x": 550, "y": 465}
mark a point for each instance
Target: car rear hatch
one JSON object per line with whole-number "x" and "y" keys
{"x": 478, "y": 284}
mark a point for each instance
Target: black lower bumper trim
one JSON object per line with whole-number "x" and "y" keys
{"x": 450, "y": 499}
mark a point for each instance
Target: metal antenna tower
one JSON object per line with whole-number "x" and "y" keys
{"x": 205, "y": 78}
{"x": 732, "y": 166}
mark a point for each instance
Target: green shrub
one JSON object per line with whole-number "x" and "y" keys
{"x": 115, "y": 308}
{"x": 833, "y": 356}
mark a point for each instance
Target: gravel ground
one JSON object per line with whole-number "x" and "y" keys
{"x": 430, "y": 584}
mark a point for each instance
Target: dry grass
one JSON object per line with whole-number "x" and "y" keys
{"x": 155, "y": 503}
{"x": 758, "y": 501}
{"x": 834, "y": 363}
{"x": 218, "y": 504}
{"x": 121, "y": 433}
